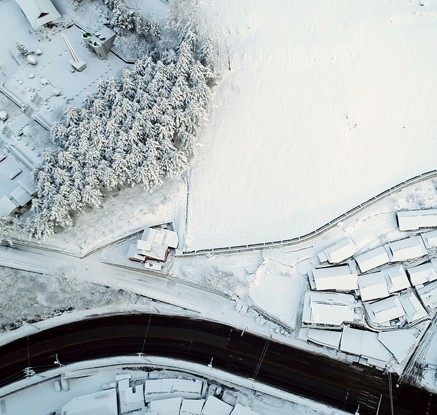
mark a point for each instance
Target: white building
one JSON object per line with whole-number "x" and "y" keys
{"x": 400, "y": 342}
{"x": 428, "y": 295}
{"x": 338, "y": 252}
{"x": 421, "y": 274}
{"x": 39, "y": 12}
{"x": 167, "y": 406}
{"x": 372, "y": 259}
{"x": 131, "y": 398}
{"x": 339, "y": 278}
{"x": 412, "y": 220}
{"x": 327, "y": 338}
{"x": 430, "y": 239}
{"x": 406, "y": 249}
{"x": 330, "y": 309}
{"x": 242, "y": 410}
{"x": 192, "y": 406}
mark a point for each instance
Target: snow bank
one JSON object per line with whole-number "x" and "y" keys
{"x": 326, "y": 105}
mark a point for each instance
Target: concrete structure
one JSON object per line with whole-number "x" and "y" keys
{"x": 339, "y": 278}
{"x": 99, "y": 403}
{"x": 338, "y": 252}
{"x": 406, "y": 249}
{"x": 327, "y": 309}
{"x": 428, "y": 295}
{"x": 100, "y": 42}
{"x": 39, "y": 12}
{"x": 423, "y": 273}
{"x": 412, "y": 220}
{"x": 372, "y": 259}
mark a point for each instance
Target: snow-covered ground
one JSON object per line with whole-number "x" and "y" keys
{"x": 326, "y": 105}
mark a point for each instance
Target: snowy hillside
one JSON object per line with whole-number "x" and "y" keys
{"x": 326, "y": 104}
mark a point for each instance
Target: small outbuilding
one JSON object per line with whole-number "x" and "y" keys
{"x": 339, "y": 278}
{"x": 338, "y": 252}
{"x": 406, "y": 249}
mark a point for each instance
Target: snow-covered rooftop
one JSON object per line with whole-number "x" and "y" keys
{"x": 384, "y": 311}
{"x": 329, "y": 338}
{"x": 338, "y": 252}
{"x": 242, "y": 410}
{"x": 328, "y": 309}
{"x": 412, "y": 220}
{"x": 397, "y": 279}
{"x": 430, "y": 239}
{"x": 423, "y": 273}
{"x": 39, "y": 12}
{"x": 167, "y": 406}
{"x": 373, "y": 286}
{"x": 215, "y": 406}
{"x": 405, "y": 249}
{"x": 428, "y": 295}
{"x": 365, "y": 343}
{"x": 413, "y": 308}
{"x": 338, "y": 278}
{"x": 399, "y": 342}
{"x": 99, "y": 403}
{"x": 372, "y": 259}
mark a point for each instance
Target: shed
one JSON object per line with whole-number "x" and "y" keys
{"x": 39, "y": 12}
{"x": 372, "y": 259}
{"x": 413, "y": 308}
{"x": 397, "y": 279}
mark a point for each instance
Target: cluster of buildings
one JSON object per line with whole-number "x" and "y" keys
{"x": 35, "y": 89}
{"x": 374, "y": 294}
{"x": 154, "y": 246}
{"x": 166, "y": 396}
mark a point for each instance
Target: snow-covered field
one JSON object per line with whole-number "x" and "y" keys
{"x": 326, "y": 105}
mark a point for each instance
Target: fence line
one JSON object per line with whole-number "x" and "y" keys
{"x": 310, "y": 235}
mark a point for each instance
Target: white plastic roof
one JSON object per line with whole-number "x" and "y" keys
{"x": 372, "y": 259}
{"x": 406, "y": 249}
{"x": 337, "y": 278}
{"x": 39, "y": 12}
{"x": 412, "y": 220}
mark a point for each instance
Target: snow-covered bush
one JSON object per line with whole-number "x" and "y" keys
{"x": 138, "y": 129}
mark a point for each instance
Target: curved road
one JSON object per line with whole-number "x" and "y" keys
{"x": 296, "y": 371}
